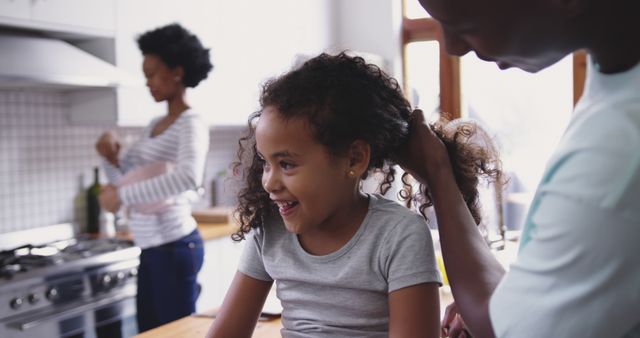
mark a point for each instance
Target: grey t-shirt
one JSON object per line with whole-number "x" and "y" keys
{"x": 345, "y": 293}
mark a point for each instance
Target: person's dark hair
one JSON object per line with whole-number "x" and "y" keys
{"x": 344, "y": 99}
{"x": 177, "y": 47}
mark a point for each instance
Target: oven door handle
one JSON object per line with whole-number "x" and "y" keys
{"x": 69, "y": 311}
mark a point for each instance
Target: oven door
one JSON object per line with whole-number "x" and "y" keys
{"x": 102, "y": 317}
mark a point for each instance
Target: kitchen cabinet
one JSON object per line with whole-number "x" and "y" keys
{"x": 221, "y": 260}
{"x": 81, "y": 17}
{"x": 96, "y": 14}
{"x": 14, "y": 9}
{"x": 127, "y": 105}
{"x": 106, "y": 29}
{"x": 235, "y": 31}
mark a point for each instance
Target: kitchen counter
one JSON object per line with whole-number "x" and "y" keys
{"x": 195, "y": 326}
{"x": 210, "y": 231}
{"x": 215, "y": 222}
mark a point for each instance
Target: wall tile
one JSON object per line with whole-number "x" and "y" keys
{"x": 45, "y": 163}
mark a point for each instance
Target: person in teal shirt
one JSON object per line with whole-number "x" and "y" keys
{"x": 576, "y": 274}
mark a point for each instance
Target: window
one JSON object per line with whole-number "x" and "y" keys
{"x": 514, "y": 106}
{"x": 413, "y": 10}
{"x": 419, "y": 35}
{"x": 423, "y": 57}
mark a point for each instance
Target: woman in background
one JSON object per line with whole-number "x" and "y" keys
{"x": 159, "y": 209}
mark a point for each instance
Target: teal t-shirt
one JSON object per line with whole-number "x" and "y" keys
{"x": 577, "y": 272}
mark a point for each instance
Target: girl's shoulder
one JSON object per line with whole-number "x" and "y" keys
{"x": 272, "y": 229}
{"x": 388, "y": 216}
{"x": 381, "y": 205}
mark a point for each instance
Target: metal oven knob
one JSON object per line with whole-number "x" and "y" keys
{"x": 33, "y": 298}
{"x": 120, "y": 276}
{"x": 106, "y": 280}
{"x": 133, "y": 272}
{"x": 52, "y": 294}
{"x": 16, "y": 303}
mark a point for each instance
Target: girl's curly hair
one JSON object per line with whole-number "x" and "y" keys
{"x": 177, "y": 47}
{"x": 346, "y": 99}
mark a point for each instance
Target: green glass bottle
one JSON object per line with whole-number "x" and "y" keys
{"x": 93, "y": 206}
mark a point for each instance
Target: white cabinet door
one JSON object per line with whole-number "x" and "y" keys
{"x": 221, "y": 258}
{"x": 95, "y": 14}
{"x": 132, "y": 105}
{"x": 15, "y": 9}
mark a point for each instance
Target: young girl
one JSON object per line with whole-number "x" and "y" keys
{"x": 346, "y": 264}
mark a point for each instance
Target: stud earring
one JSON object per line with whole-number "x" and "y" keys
{"x": 176, "y": 79}
{"x": 351, "y": 173}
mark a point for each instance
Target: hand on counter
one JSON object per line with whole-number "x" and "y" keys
{"x": 109, "y": 199}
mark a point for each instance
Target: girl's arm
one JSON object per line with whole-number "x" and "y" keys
{"x": 415, "y": 312}
{"x": 241, "y": 308}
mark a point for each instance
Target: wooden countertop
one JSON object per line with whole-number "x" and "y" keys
{"x": 194, "y": 326}
{"x": 215, "y": 222}
{"x": 210, "y": 231}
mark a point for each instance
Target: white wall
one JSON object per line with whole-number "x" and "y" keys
{"x": 371, "y": 26}
{"x": 250, "y": 41}
{"x": 253, "y": 40}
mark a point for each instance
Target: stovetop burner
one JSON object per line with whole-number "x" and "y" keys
{"x": 65, "y": 286}
{"x": 29, "y": 257}
{"x": 25, "y": 258}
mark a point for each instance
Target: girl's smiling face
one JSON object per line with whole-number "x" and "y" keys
{"x": 311, "y": 187}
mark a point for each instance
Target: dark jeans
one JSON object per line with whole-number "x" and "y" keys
{"x": 167, "y": 286}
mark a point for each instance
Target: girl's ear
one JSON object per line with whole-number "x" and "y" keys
{"x": 359, "y": 156}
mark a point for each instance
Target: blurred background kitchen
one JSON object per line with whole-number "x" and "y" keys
{"x": 71, "y": 69}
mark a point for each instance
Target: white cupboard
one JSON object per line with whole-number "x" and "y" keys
{"x": 249, "y": 41}
{"x": 221, "y": 260}
{"x": 83, "y": 17}
{"x": 15, "y": 9}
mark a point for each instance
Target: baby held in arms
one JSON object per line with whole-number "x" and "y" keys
{"x": 345, "y": 263}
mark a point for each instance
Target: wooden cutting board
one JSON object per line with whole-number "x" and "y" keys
{"x": 220, "y": 215}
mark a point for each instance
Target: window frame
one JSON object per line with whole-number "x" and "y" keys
{"x": 428, "y": 29}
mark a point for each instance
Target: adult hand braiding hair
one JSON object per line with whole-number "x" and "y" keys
{"x": 453, "y": 325}
{"x": 422, "y": 138}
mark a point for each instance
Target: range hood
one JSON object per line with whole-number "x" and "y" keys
{"x": 35, "y": 61}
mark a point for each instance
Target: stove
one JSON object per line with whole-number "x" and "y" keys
{"x": 77, "y": 287}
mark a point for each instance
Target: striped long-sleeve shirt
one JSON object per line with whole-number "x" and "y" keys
{"x": 184, "y": 144}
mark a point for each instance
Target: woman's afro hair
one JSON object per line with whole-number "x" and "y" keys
{"x": 177, "y": 47}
